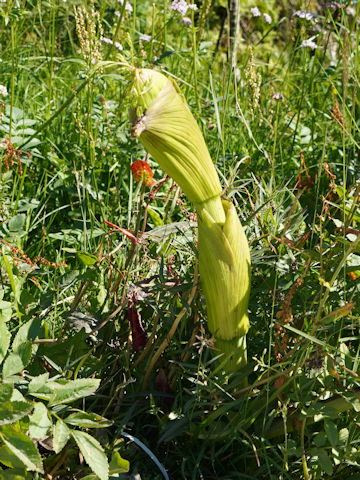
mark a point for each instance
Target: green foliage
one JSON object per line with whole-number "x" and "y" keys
{"x": 24, "y": 422}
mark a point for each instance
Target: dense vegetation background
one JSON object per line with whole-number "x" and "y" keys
{"x": 95, "y": 265}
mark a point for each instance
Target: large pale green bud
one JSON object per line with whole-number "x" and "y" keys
{"x": 164, "y": 124}
{"x": 224, "y": 261}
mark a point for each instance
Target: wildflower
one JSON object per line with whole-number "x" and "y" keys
{"x": 118, "y": 46}
{"x": 309, "y": 43}
{"x": 163, "y": 122}
{"x": 255, "y": 12}
{"x": 142, "y": 172}
{"x": 186, "y": 21}
{"x": 128, "y": 6}
{"x": 179, "y": 6}
{"x": 193, "y": 6}
{"x": 3, "y": 91}
{"x": 278, "y": 96}
{"x": 145, "y": 38}
{"x": 267, "y": 17}
{"x": 106, "y": 40}
{"x": 307, "y": 15}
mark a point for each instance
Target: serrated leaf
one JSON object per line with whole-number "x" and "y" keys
{"x": 73, "y": 390}
{"x": 5, "y": 337}
{"x": 93, "y": 453}
{"x": 331, "y": 432}
{"x": 21, "y": 446}
{"x": 40, "y": 423}
{"x": 11, "y": 412}
{"x": 87, "y": 420}
{"x": 61, "y": 436}
{"x": 29, "y": 331}
{"x": 17, "y": 396}
{"x": 38, "y": 383}
{"x": 118, "y": 464}
{"x": 6, "y": 390}
{"x": 17, "y": 360}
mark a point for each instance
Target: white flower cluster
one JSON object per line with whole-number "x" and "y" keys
{"x": 3, "y": 91}
{"x": 255, "y": 12}
{"x": 108, "y": 41}
{"x": 309, "y": 43}
{"x": 305, "y": 14}
{"x": 182, "y": 7}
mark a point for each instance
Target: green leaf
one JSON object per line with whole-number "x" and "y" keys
{"x": 6, "y": 390}
{"x": 93, "y": 453}
{"x": 39, "y": 422}
{"x": 155, "y": 217}
{"x": 87, "y": 258}
{"x": 21, "y": 446}
{"x": 324, "y": 461}
{"x": 158, "y": 234}
{"x": 320, "y": 439}
{"x": 8, "y": 459}
{"x": 29, "y": 331}
{"x": 331, "y": 432}
{"x": 17, "y": 396}
{"x": 16, "y": 224}
{"x": 5, "y": 337}
{"x": 118, "y": 464}
{"x": 11, "y": 412}
{"x": 73, "y": 390}
{"x": 87, "y": 420}
{"x": 353, "y": 399}
{"x": 5, "y": 311}
{"x": 38, "y": 383}
{"x": 61, "y": 436}
{"x": 17, "y": 474}
{"x": 17, "y": 360}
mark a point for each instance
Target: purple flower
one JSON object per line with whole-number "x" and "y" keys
{"x": 186, "y": 21}
{"x": 145, "y": 38}
{"x": 267, "y": 17}
{"x": 179, "y": 6}
{"x": 119, "y": 46}
{"x": 278, "y": 96}
{"x": 255, "y": 12}
{"x": 193, "y": 6}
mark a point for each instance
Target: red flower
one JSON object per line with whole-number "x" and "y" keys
{"x": 142, "y": 172}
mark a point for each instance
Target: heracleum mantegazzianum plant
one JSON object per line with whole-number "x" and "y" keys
{"x": 162, "y": 121}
